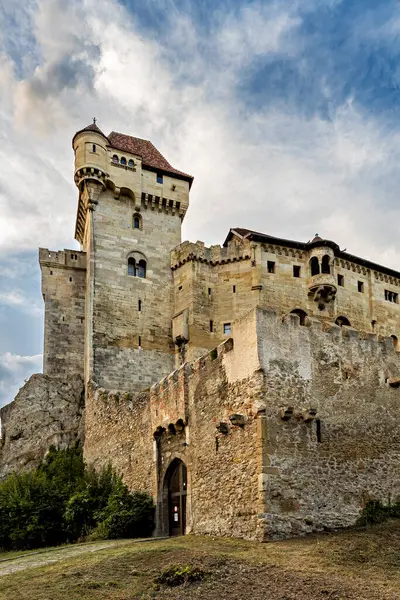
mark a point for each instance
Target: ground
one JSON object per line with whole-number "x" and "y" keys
{"x": 360, "y": 565}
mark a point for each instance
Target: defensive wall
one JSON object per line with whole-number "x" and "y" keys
{"x": 287, "y": 429}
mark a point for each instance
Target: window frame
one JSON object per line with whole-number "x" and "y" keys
{"x": 227, "y": 328}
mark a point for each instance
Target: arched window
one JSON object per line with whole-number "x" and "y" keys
{"x": 131, "y": 266}
{"x": 137, "y": 264}
{"x": 123, "y": 161}
{"x": 395, "y": 342}
{"x": 141, "y": 271}
{"x": 302, "y": 314}
{"x": 314, "y": 266}
{"x": 131, "y": 164}
{"x": 343, "y": 321}
{"x": 137, "y": 221}
{"x": 326, "y": 267}
{"x": 115, "y": 159}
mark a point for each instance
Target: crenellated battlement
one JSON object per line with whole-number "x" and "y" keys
{"x": 213, "y": 255}
{"x": 316, "y": 326}
{"x": 65, "y": 259}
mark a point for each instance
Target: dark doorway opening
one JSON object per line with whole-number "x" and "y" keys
{"x": 177, "y": 494}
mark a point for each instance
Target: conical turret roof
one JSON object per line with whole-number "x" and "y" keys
{"x": 91, "y": 127}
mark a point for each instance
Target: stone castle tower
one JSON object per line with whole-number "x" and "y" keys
{"x": 118, "y": 295}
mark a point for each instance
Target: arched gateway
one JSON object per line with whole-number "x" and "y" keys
{"x": 176, "y": 484}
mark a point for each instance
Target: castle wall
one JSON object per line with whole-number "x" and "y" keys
{"x": 46, "y": 411}
{"x": 318, "y": 434}
{"x": 63, "y": 289}
{"x": 320, "y": 470}
{"x": 132, "y": 348}
{"x": 221, "y": 284}
{"x": 223, "y": 496}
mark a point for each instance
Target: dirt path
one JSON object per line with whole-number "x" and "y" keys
{"x": 48, "y": 557}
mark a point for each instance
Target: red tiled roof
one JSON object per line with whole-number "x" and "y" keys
{"x": 91, "y": 127}
{"x": 151, "y": 157}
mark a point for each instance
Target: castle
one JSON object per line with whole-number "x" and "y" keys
{"x": 252, "y": 389}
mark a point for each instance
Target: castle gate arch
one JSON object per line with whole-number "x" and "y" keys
{"x": 175, "y": 486}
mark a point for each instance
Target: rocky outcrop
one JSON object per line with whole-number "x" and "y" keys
{"x": 46, "y": 411}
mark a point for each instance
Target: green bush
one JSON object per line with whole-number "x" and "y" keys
{"x": 375, "y": 512}
{"x": 63, "y": 501}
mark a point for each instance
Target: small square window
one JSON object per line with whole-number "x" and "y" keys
{"x": 227, "y": 329}
{"x": 271, "y": 266}
{"x": 159, "y": 178}
{"x": 296, "y": 271}
{"x": 180, "y": 288}
{"x": 340, "y": 280}
{"x": 360, "y": 286}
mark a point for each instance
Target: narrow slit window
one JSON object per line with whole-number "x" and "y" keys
{"x": 93, "y": 147}
{"x": 140, "y": 341}
{"x": 227, "y": 329}
{"x": 70, "y": 278}
{"x": 340, "y": 280}
{"x": 131, "y": 267}
{"x": 211, "y": 326}
{"x": 209, "y": 291}
{"x": 141, "y": 272}
{"x": 271, "y": 266}
{"x": 139, "y": 305}
{"x": 318, "y": 428}
{"x": 314, "y": 266}
{"x": 360, "y": 286}
{"x": 296, "y": 271}
{"x": 234, "y": 289}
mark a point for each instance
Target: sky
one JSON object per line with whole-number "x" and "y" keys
{"x": 287, "y": 114}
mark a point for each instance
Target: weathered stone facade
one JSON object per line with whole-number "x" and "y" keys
{"x": 279, "y": 417}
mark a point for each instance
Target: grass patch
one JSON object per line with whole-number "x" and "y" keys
{"x": 353, "y": 565}
{"x": 180, "y": 575}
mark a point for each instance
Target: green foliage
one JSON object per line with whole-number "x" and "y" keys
{"x": 180, "y": 574}
{"x": 62, "y": 501}
{"x": 375, "y": 512}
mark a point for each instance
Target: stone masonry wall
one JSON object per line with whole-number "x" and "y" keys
{"x": 63, "y": 289}
{"x": 220, "y": 285}
{"x": 132, "y": 341}
{"x": 45, "y": 411}
{"x": 317, "y": 437}
{"x": 223, "y": 469}
{"x": 340, "y": 444}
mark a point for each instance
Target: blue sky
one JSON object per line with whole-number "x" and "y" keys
{"x": 287, "y": 114}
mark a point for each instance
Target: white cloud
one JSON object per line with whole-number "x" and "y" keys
{"x": 16, "y": 299}
{"x": 14, "y": 370}
{"x": 267, "y": 168}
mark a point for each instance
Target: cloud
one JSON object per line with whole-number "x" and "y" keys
{"x": 14, "y": 370}
{"x": 15, "y": 298}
